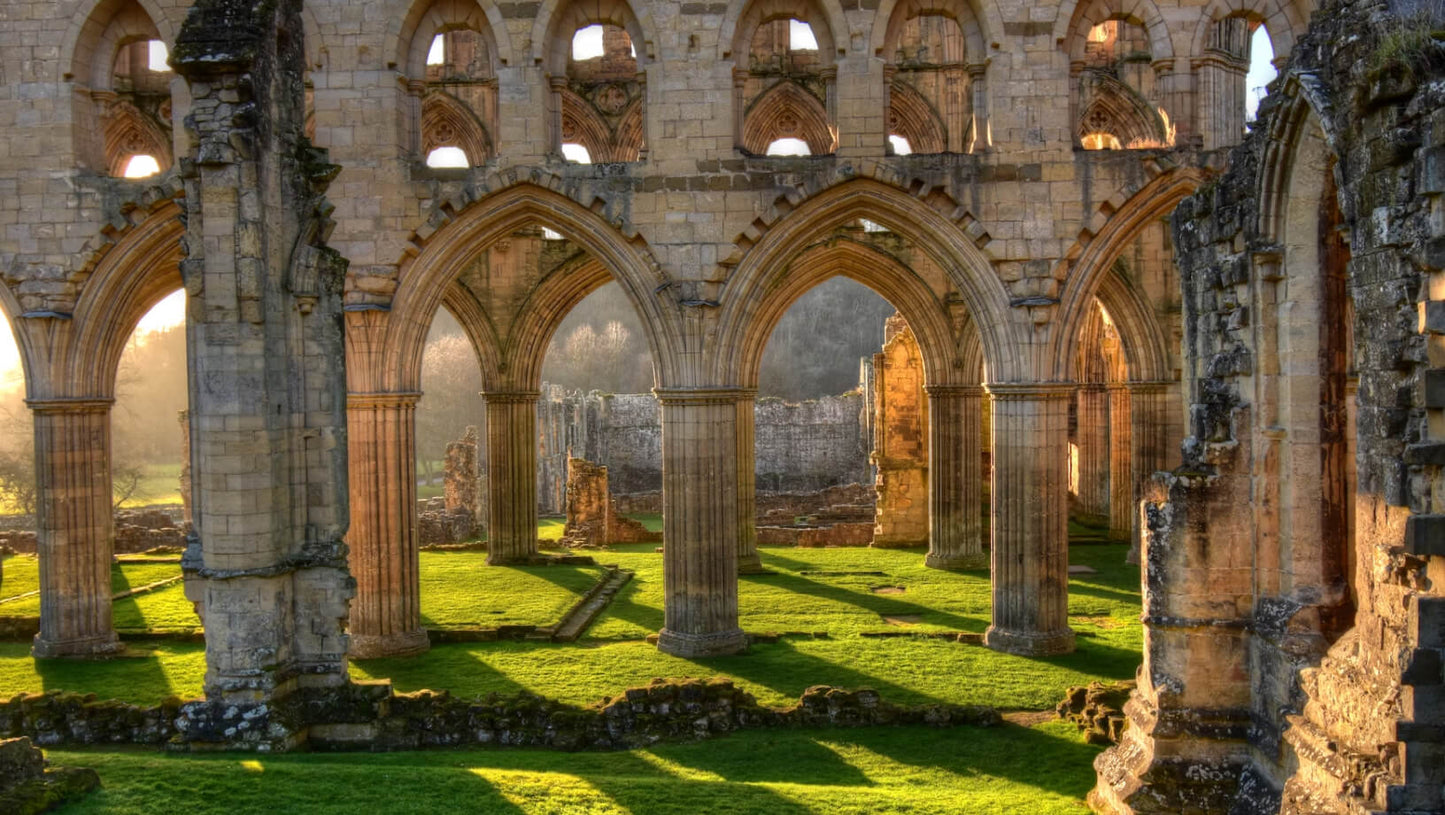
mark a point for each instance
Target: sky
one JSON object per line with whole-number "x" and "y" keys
{"x": 168, "y": 312}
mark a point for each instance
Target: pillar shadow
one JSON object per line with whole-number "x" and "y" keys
{"x": 457, "y": 661}
{"x": 875, "y": 604}
{"x": 788, "y": 672}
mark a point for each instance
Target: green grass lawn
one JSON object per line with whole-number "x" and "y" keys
{"x": 159, "y": 484}
{"x": 1042, "y": 770}
{"x": 459, "y": 590}
{"x": 22, "y": 575}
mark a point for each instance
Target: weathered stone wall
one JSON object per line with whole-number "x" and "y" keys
{"x": 801, "y": 447}
{"x": 1295, "y": 565}
{"x": 900, "y": 439}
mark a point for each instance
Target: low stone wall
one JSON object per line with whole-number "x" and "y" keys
{"x": 438, "y": 526}
{"x": 817, "y": 537}
{"x": 370, "y": 716}
{"x": 136, "y": 530}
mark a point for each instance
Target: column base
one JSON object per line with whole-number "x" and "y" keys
{"x": 372, "y": 646}
{"x": 751, "y": 564}
{"x": 1030, "y": 643}
{"x": 975, "y": 560}
{"x": 104, "y": 645}
{"x": 690, "y": 646}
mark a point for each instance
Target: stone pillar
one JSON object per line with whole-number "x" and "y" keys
{"x": 1152, "y": 432}
{"x": 955, "y": 482}
{"x": 512, "y": 475}
{"x": 749, "y": 562}
{"x": 459, "y": 475}
{"x": 1094, "y": 448}
{"x": 900, "y": 440}
{"x": 386, "y": 613}
{"x": 1123, "y": 485}
{"x": 588, "y": 504}
{"x": 978, "y": 87}
{"x": 700, "y": 516}
{"x": 74, "y": 527}
{"x": 1030, "y": 556}
{"x": 184, "y": 418}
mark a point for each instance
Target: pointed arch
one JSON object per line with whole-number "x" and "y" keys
{"x": 825, "y": 17}
{"x": 427, "y": 18}
{"x": 446, "y": 122}
{"x": 426, "y": 277}
{"x": 788, "y": 110}
{"x": 974, "y": 19}
{"x": 1114, "y": 108}
{"x": 128, "y": 133}
{"x": 910, "y": 116}
{"x": 93, "y": 36}
{"x": 558, "y": 20}
{"x": 765, "y": 267}
{"x": 1282, "y": 21}
{"x": 1099, "y": 246}
{"x": 1076, "y": 19}
{"x": 1144, "y": 343}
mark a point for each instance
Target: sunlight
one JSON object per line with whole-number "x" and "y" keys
{"x": 168, "y": 313}
{"x": 789, "y": 147}
{"x": 676, "y": 770}
{"x": 800, "y": 36}
{"x": 448, "y": 158}
{"x": 156, "y": 56}
{"x": 437, "y": 53}
{"x": 11, "y": 371}
{"x": 141, "y": 166}
{"x": 576, "y": 153}
{"x": 900, "y": 145}
{"x": 551, "y": 234}
{"x": 1261, "y": 71}
{"x": 872, "y": 226}
{"x": 533, "y": 791}
{"x": 251, "y": 765}
{"x": 587, "y": 43}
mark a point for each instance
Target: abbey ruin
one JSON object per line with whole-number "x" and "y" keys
{"x": 1063, "y": 201}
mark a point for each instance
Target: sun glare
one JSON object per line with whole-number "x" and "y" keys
{"x": 168, "y": 313}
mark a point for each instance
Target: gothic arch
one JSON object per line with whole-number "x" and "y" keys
{"x": 975, "y": 22}
{"x": 1287, "y": 130}
{"x": 743, "y": 17}
{"x": 106, "y": 26}
{"x": 885, "y": 275}
{"x": 913, "y": 118}
{"x": 446, "y": 122}
{"x": 1072, "y": 29}
{"x": 1118, "y": 110}
{"x": 558, "y": 20}
{"x": 1281, "y": 20}
{"x": 1144, "y": 343}
{"x": 128, "y": 133}
{"x": 426, "y": 277}
{"x": 1100, "y": 245}
{"x": 766, "y": 263}
{"x": 427, "y": 18}
{"x": 784, "y": 110}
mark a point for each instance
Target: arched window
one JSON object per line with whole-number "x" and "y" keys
{"x": 450, "y": 60}
{"x": 123, "y": 106}
{"x": 784, "y": 79}
{"x": 1261, "y": 71}
{"x": 788, "y": 147}
{"x": 1234, "y": 69}
{"x": 932, "y": 100}
{"x": 602, "y": 97}
{"x": 141, "y": 166}
{"x": 576, "y": 153}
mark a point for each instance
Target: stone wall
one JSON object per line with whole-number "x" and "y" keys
{"x": 801, "y": 447}
{"x": 1294, "y": 596}
{"x": 900, "y": 439}
{"x": 369, "y": 716}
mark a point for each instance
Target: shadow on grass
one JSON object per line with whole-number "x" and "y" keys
{"x": 423, "y": 671}
{"x": 782, "y": 668}
{"x": 877, "y": 604}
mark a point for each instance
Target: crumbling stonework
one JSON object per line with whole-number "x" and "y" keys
{"x": 592, "y": 517}
{"x": 1294, "y": 598}
{"x": 29, "y": 787}
{"x": 900, "y": 444}
{"x": 461, "y": 476}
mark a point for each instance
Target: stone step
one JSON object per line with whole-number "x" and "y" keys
{"x": 581, "y": 615}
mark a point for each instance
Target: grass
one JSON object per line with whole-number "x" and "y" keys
{"x": 159, "y": 484}
{"x": 1043, "y": 770}
{"x": 459, "y": 590}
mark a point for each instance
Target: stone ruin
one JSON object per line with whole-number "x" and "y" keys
{"x": 592, "y": 517}
{"x": 460, "y": 514}
{"x": 900, "y": 441}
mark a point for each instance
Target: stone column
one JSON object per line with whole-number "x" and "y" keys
{"x": 1151, "y": 443}
{"x": 1030, "y": 556}
{"x": 512, "y": 472}
{"x": 749, "y": 562}
{"x": 955, "y": 483}
{"x": 978, "y": 87}
{"x": 386, "y": 612}
{"x": 74, "y": 527}
{"x": 1094, "y": 447}
{"x": 700, "y": 516}
{"x": 1123, "y": 485}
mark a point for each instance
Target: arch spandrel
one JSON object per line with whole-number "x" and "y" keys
{"x": 1093, "y": 257}
{"x": 425, "y": 278}
{"x": 766, "y": 265}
